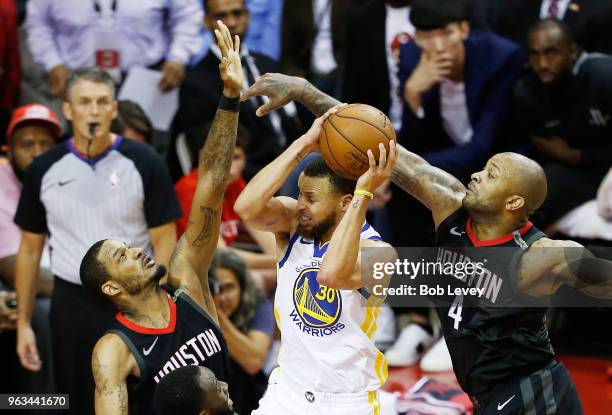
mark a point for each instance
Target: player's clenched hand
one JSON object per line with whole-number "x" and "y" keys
{"x": 377, "y": 174}
{"x": 230, "y": 66}
{"x": 311, "y": 138}
{"x": 278, "y": 88}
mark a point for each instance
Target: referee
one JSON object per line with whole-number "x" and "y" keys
{"x": 95, "y": 185}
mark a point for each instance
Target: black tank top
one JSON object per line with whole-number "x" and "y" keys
{"x": 491, "y": 345}
{"x": 191, "y": 338}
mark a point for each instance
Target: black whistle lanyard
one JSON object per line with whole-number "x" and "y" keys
{"x": 98, "y": 8}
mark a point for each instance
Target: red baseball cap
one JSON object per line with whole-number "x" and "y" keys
{"x": 35, "y": 112}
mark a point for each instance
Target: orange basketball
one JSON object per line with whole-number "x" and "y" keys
{"x": 349, "y": 133}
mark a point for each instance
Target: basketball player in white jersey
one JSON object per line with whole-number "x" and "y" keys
{"x": 328, "y": 361}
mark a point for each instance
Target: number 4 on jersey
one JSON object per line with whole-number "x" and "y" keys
{"x": 455, "y": 311}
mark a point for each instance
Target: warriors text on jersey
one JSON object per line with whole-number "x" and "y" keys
{"x": 326, "y": 333}
{"x": 191, "y": 338}
{"x": 491, "y": 345}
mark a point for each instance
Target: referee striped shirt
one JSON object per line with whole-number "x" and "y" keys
{"x": 77, "y": 201}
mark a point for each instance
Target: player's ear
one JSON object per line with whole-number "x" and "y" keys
{"x": 515, "y": 202}
{"x": 465, "y": 29}
{"x": 345, "y": 201}
{"x": 110, "y": 288}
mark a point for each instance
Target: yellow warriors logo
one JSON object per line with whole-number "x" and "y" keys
{"x": 318, "y": 306}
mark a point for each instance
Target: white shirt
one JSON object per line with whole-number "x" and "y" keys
{"x": 322, "y": 59}
{"x": 397, "y": 23}
{"x": 561, "y": 4}
{"x": 326, "y": 334}
{"x": 66, "y": 31}
{"x": 455, "y": 116}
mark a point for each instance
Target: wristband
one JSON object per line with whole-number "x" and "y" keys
{"x": 229, "y": 104}
{"x": 365, "y": 193}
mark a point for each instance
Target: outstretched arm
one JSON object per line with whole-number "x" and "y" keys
{"x": 193, "y": 254}
{"x": 281, "y": 89}
{"x": 439, "y": 191}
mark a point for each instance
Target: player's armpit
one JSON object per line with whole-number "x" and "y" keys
{"x": 111, "y": 363}
{"x": 439, "y": 191}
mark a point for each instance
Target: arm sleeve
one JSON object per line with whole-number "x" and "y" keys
{"x": 463, "y": 159}
{"x": 41, "y": 35}
{"x": 31, "y": 214}
{"x": 264, "y": 318}
{"x": 184, "y": 21}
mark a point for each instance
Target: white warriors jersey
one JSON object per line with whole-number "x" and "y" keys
{"x": 326, "y": 334}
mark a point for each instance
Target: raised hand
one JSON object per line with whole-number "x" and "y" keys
{"x": 230, "y": 67}
{"x": 377, "y": 174}
{"x": 280, "y": 90}
{"x": 311, "y": 137}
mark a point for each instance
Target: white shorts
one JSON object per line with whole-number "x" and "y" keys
{"x": 288, "y": 398}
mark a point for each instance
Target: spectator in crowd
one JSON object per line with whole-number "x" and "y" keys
{"x": 93, "y": 186}
{"x": 10, "y": 66}
{"x": 202, "y": 89}
{"x": 564, "y": 105}
{"x": 32, "y": 131}
{"x": 115, "y": 35}
{"x": 584, "y": 19}
{"x": 457, "y": 84}
{"x": 314, "y": 41}
{"x": 132, "y": 122}
{"x": 247, "y": 323}
{"x": 192, "y": 390}
{"x": 375, "y": 32}
{"x": 264, "y": 31}
{"x": 262, "y": 265}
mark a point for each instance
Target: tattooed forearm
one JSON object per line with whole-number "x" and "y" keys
{"x": 432, "y": 186}
{"x": 216, "y": 155}
{"x": 208, "y": 219}
{"x": 316, "y": 101}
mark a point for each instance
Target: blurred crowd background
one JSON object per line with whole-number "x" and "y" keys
{"x": 530, "y": 76}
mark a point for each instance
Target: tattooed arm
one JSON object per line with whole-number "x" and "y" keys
{"x": 194, "y": 251}
{"x": 111, "y": 364}
{"x": 282, "y": 89}
{"x": 257, "y": 205}
{"x": 436, "y": 189}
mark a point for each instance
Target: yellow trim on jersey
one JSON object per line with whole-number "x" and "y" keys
{"x": 277, "y": 317}
{"x": 374, "y": 402}
{"x": 381, "y": 368}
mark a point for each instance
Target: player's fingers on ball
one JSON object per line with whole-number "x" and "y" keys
{"x": 392, "y": 154}
{"x": 382, "y": 159}
{"x": 371, "y": 159}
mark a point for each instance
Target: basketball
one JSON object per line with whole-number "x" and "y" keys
{"x": 349, "y": 133}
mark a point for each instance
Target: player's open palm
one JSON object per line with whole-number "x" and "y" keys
{"x": 230, "y": 66}
{"x": 379, "y": 172}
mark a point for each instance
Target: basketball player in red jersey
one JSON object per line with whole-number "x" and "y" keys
{"x": 159, "y": 330}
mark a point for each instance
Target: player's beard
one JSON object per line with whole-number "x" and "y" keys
{"x": 318, "y": 230}
{"x": 160, "y": 271}
{"x": 134, "y": 287}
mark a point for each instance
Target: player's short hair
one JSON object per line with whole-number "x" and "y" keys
{"x": 92, "y": 74}
{"x": 180, "y": 392}
{"x": 93, "y": 273}
{"x": 437, "y": 14}
{"x": 131, "y": 115}
{"x": 205, "y": 5}
{"x": 566, "y": 33}
{"x": 318, "y": 168}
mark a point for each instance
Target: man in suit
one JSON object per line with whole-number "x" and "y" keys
{"x": 456, "y": 84}
{"x": 314, "y": 41}
{"x": 586, "y": 20}
{"x": 202, "y": 89}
